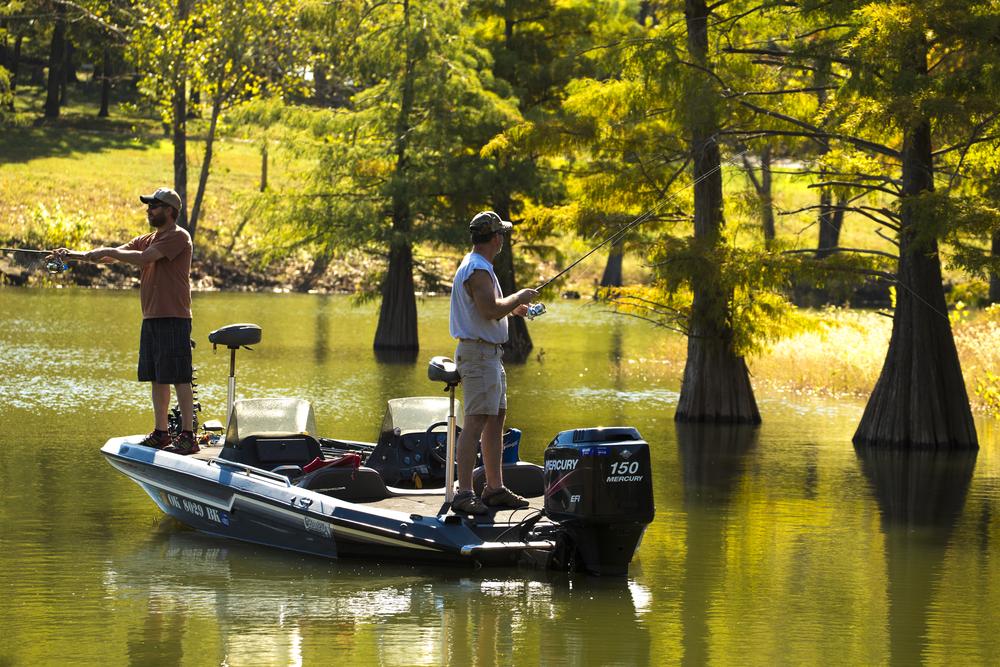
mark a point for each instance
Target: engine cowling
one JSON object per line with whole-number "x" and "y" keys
{"x": 599, "y": 488}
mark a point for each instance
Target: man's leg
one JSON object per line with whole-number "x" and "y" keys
{"x": 161, "y": 402}
{"x": 466, "y": 455}
{"x": 492, "y": 443}
{"x": 185, "y": 399}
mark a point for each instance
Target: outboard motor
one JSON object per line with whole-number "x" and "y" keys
{"x": 599, "y": 488}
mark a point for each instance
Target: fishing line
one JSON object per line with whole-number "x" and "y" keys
{"x": 37, "y": 252}
{"x": 641, "y": 219}
{"x": 53, "y": 263}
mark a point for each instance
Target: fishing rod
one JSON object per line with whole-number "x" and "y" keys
{"x": 53, "y": 263}
{"x": 537, "y": 309}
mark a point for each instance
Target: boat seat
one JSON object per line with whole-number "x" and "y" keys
{"x": 443, "y": 369}
{"x": 268, "y": 451}
{"x": 524, "y": 479}
{"x": 235, "y": 336}
{"x": 359, "y": 485}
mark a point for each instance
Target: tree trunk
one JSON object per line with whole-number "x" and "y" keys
{"x": 194, "y": 104}
{"x": 995, "y": 276}
{"x": 321, "y": 263}
{"x": 320, "y": 84}
{"x": 70, "y": 73}
{"x": 612, "y": 276}
{"x": 831, "y": 221}
{"x": 263, "y": 166}
{"x": 206, "y": 167}
{"x": 179, "y": 130}
{"x": 919, "y": 399}
{"x": 57, "y": 63}
{"x": 105, "y": 84}
{"x": 15, "y": 65}
{"x": 179, "y": 121}
{"x": 765, "y": 196}
{"x": 397, "y": 318}
{"x": 518, "y": 345}
{"x": 716, "y": 385}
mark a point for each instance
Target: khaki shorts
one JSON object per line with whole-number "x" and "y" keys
{"x": 484, "y": 382}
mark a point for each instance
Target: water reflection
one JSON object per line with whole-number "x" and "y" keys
{"x": 921, "y": 495}
{"x": 712, "y": 463}
{"x": 399, "y": 357}
{"x": 256, "y": 606}
{"x": 322, "y": 331}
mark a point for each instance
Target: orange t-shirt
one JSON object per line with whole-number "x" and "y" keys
{"x": 165, "y": 285}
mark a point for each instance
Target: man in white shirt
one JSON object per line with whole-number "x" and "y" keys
{"x": 479, "y": 312}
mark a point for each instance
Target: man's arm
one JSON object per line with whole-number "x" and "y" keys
{"x": 106, "y": 255}
{"x": 120, "y": 254}
{"x": 480, "y": 286}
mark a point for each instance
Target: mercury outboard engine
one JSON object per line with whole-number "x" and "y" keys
{"x": 598, "y": 487}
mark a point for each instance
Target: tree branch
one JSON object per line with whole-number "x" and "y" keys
{"x": 860, "y": 251}
{"x": 860, "y": 143}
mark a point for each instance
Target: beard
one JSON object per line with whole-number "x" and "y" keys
{"x": 158, "y": 221}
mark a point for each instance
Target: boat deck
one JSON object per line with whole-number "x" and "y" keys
{"x": 424, "y": 503}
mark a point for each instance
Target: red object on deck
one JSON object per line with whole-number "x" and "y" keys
{"x": 351, "y": 459}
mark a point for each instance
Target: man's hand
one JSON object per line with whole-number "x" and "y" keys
{"x": 521, "y": 310}
{"x": 525, "y": 296}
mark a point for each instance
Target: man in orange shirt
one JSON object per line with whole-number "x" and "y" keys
{"x": 164, "y": 258}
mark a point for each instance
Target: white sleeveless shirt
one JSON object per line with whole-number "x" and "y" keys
{"x": 465, "y": 321}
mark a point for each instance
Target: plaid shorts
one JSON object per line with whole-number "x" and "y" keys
{"x": 165, "y": 350}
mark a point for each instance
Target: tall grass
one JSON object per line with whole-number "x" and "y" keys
{"x": 841, "y": 355}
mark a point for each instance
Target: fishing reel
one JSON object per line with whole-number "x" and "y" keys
{"x": 535, "y": 310}
{"x": 55, "y": 265}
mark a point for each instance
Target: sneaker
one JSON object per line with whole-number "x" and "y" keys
{"x": 156, "y": 440}
{"x": 503, "y": 497}
{"x": 468, "y": 503}
{"x": 184, "y": 444}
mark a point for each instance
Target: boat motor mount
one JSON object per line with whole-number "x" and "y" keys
{"x": 444, "y": 369}
{"x": 234, "y": 336}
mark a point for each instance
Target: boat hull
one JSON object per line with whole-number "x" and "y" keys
{"x": 255, "y": 506}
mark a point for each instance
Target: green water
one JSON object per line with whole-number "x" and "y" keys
{"x": 774, "y": 545}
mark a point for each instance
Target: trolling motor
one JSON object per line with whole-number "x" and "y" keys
{"x": 444, "y": 369}
{"x": 234, "y": 336}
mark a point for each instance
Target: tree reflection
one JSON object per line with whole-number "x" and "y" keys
{"x": 921, "y": 495}
{"x": 712, "y": 461}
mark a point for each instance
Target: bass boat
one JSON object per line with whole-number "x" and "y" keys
{"x": 273, "y": 481}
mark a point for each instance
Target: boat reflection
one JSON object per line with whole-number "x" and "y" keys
{"x": 255, "y": 606}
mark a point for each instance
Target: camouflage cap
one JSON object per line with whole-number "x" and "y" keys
{"x": 488, "y": 221}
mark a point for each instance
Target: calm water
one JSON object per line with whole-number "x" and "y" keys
{"x": 774, "y": 545}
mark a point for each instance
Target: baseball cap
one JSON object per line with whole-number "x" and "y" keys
{"x": 164, "y": 195}
{"x": 488, "y": 221}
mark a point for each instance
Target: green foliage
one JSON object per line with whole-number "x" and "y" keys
{"x": 55, "y": 228}
{"x": 233, "y": 50}
{"x": 408, "y": 137}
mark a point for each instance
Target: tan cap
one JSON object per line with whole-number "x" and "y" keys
{"x": 164, "y": 195}
{"x": 488, "y": 221}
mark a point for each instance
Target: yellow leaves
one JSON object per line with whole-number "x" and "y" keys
{"x": 498, "y": 145}
{"x": 988, "y": 391}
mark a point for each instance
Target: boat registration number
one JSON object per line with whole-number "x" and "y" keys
{"x": 197, "y": 509}
{"x": 317, "y": 526}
